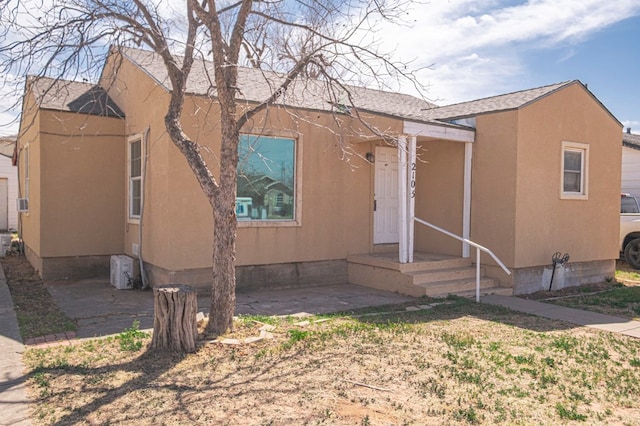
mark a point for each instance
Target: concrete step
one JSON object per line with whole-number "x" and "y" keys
{"x": 448, "y": 274}
{"x": 421, "y": 263}
{"x": 501, "y": 291}
{"x": 456, "y": 286}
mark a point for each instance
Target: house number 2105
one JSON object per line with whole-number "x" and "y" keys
{"x": 412, "y": 182}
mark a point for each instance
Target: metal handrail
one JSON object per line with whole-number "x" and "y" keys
{"x": 478, "y": 247}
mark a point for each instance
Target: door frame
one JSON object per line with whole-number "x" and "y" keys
{"x": 381, "y": 238}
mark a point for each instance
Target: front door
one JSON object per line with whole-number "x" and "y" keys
{"x": 385, "y": 215}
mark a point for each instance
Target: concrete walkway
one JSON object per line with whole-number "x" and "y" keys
{"x": 14, "y": 405}
{"x": 99, "y": 309}
{"x": 573, "y": 316}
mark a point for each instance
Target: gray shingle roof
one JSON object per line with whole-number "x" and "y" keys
{"x": 7, "y": 145}
{"x": 73, "y": 96}
{"x": 630, "y": 140}
{"x": 504, "y": 102}
{"x": 257, "y": 85}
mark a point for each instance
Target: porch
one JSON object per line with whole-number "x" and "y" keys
{"x": 434, "y": 275}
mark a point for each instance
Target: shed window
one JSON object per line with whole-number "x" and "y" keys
{"x": 575, "y": 160}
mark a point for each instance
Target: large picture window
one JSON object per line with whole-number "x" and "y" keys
{"x": 266, "y": 179}
{"x": 135, "y": 177}
{"x": 575, "y": 160}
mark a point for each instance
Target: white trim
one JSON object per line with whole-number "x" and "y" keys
{"x": 27, "y": 179}
{"x": 411, "y": 197}
{"x": 443, "y": 132}
{"x": 403, "y": 226}
{"x": 466, "y": 198}
{"x": 138, "y": 137}
{"x": 583, "y": 149}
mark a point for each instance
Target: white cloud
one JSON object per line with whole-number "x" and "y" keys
{"x": 10, "y": 94}
{"x": 475, "y": 43}
{"x": 9, "y": 124}
{"x": 634, "y": 125}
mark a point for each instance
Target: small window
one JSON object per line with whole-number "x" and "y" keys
{"x": 266, "y": 179}
{"x": 135, "y": 177}
{"x": 26, "y": 173}
{"x": 575, "y": 160}
{"x": 628, "y": 204}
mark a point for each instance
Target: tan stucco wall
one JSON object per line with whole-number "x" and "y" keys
{"x": 517, "y": 210}
{"x": 145, "y": 104}
{"x": 335, "y": 193}
{"x": 545, "y": 223}
{"x": 81, "y": 171}
{"x": 29, "y": 139}
{"x": 439, "y": 199}
{"x": 493, "y": 192}
{"x": 515, "y": 193}
{"x": 333, "y": 219}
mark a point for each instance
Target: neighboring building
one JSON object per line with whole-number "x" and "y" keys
{"x": 8, "y": 185}
{"x": 525, "y": 174}
{"x": 631, "y": 163}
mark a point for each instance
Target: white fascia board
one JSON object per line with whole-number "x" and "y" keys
{"x": 439, "y": 132}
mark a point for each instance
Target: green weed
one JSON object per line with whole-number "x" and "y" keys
{"x": 468, "y": 415}
{"x": 131, "y": 338}
{"x": 569, "y": 413}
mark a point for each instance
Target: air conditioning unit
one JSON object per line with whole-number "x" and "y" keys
{"x": 121, "y": 271}
{"x": 23, "y": 205}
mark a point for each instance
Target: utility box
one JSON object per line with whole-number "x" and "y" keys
{"x": 5, "y": 244}
{"x": 121, "y": 271}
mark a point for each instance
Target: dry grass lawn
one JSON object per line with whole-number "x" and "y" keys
{"x": 457, "y": 363}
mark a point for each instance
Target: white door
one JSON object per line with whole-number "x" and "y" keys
{"x": 385, "y": 215}
{"x": 4, "y": 203}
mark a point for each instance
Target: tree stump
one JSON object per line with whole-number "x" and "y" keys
{"x": 174, "y": 321}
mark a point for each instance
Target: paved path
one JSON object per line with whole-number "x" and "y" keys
{"x": 14, "y": 405}
{"x": 570, "y": 315}
{"x": 99, "y": 309}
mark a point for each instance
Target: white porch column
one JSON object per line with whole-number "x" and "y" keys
{"x": 411, "y": 199}
{"x": 466, "y": 203}
{"x": 403, "y": 225}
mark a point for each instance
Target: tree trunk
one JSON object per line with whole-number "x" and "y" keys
{"x": 223, "y": 290}
{"x": 174, "y": 324}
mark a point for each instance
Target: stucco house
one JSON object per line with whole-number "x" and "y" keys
{"x": 524, "y": 174}
{"x": 631, "y": 163}
{"x": 8, "y": 184}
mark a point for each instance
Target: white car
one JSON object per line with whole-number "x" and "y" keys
{"x": 630, "y": 229}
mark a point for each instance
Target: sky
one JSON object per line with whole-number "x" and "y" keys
{"x": 470, "y": 49}
{"x": 480, "y": 48}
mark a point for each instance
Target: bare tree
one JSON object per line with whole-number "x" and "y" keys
{"x": 331, "y": 42}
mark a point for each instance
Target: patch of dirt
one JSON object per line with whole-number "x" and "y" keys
{"x": 37, "y": 313}
{"x": 571, "y": 291}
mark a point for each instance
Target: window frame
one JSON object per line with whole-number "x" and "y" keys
{"x": 583, "y": 149}
{"x": 26, "y": 173}
{"x": 131, "y": 218}
{"x": 297, "y": 184}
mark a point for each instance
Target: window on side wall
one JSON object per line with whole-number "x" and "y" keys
{"x": 26, "y": 173}
{"x": 266, "y": 180}
{"x": 135, "y": 178}
{"x": 575, "y": 171}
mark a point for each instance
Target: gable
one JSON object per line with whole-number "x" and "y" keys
{"x": 72, "y": 96}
